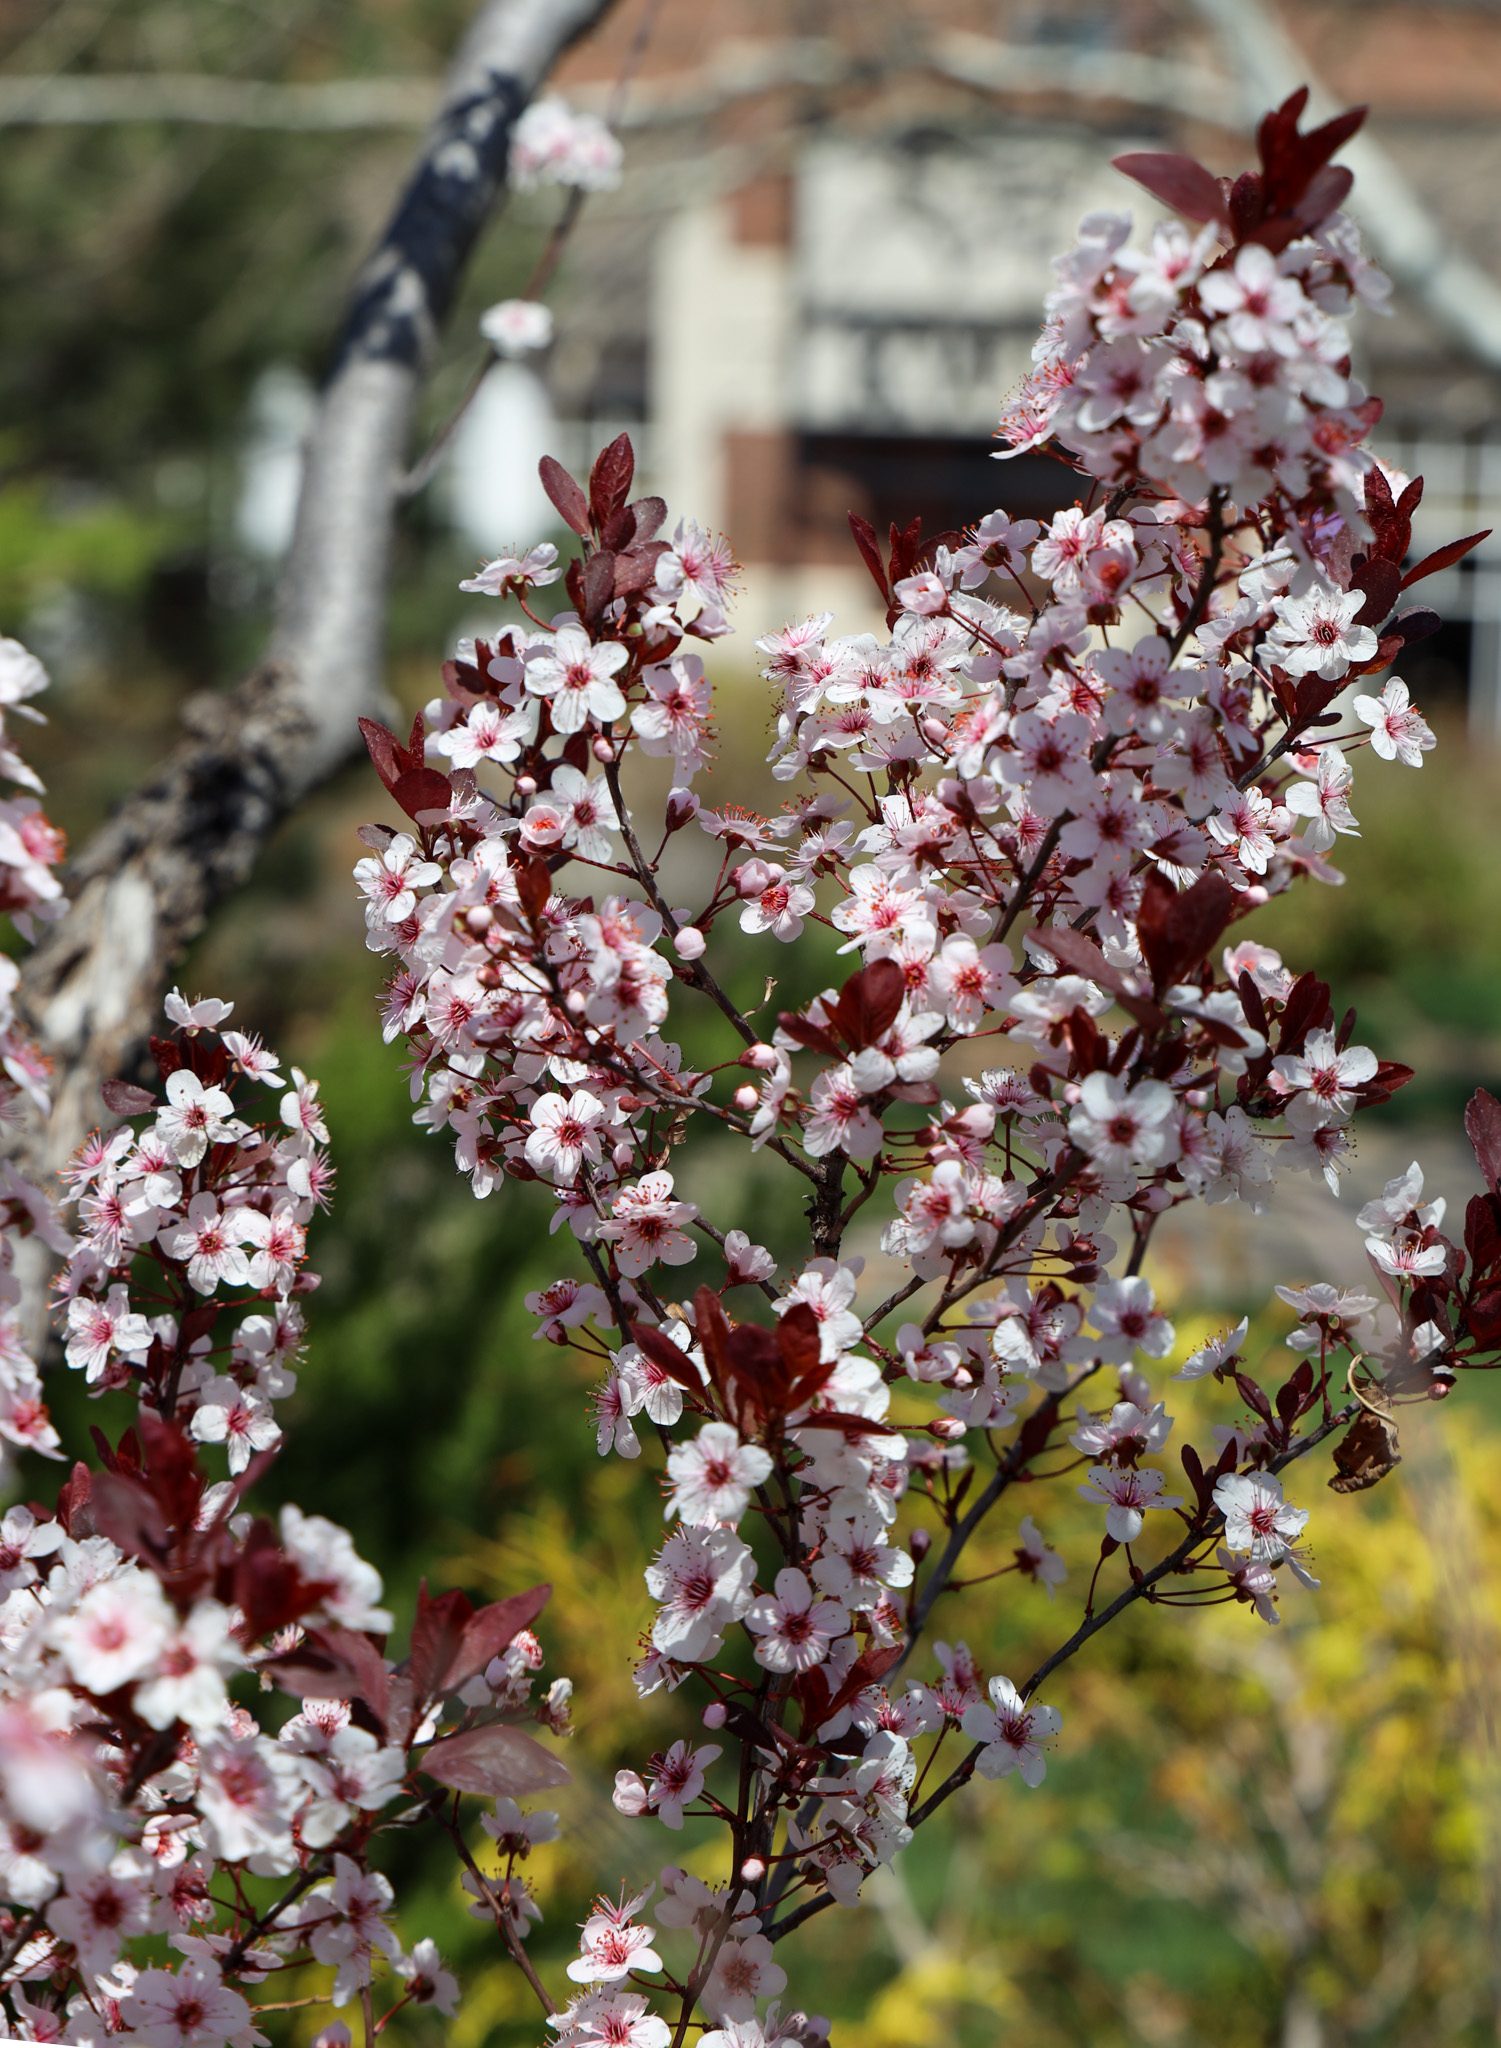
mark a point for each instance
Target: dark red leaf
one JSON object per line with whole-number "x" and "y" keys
{"x": 870, "y": 551}
{"x": 1443, "y": 558}
{"x": 1177, "y": 931}
{"x": 497, "y": 1762}
{"x": 1178, "y": 181}
{"x": 869, "y": 1668}
{"x": 1078, "y": 952}
{"x": 534, "y": 886}
{"x": 670, "y": 1357}
{"x": 334, "y": 1664}
{"x": 384, "y": 749}
{"x": 1304, "y": 1011}
{"x": 649, "y": 514}
{"x": 572, "y": 505}
{"x": 489, "y": 1631}
{"x": 437, "y": 1633}
{"x": 597, "y": 586}
{"x": 868, "y": 1003}
{"x": 171, "y": 1466}
{"x": 610, "y": 479}
{"x": 1327, "y": 192}
{"x": 422, "y": 789}
{"x": 799, "y": 1339}
{"x": 125, "y": 1099}
{"x": 1483, "y": 1129}
{"x": 813, "y": 1036}
{"x": 1483, "y": 1317}
{"x": 128, "y": 1513}
{"x": 1380, "y": 581}
{"x": 1482, "y": 1233}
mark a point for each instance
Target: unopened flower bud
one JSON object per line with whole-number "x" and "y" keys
{"x": 921, "y": 1543}
{"x": 753, "y": 877}
{"x": 761, "y": 1056}
{"x": 682, "y": 808}
{"x": 690, "y": 943}
{"x": 948, "y": 1428}
{"x": 526, "y": 785}
{"x": 622, "y": 1156}
{"x": 934, "y": 731}
{"x": 753, "y": 1869}
{"x": 576, "y": 1002}
{"x": 480, "y": 919}
{"x": 334, "y": 2035}
{"x": 604, "y": 749}
{"x": 714, "y": 1714}
{"x": 746, "y": 1098}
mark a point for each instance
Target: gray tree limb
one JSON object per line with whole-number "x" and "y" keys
{"x": 144, "y": 886}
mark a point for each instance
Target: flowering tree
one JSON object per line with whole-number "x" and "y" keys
{"x": 1032, "y": 815}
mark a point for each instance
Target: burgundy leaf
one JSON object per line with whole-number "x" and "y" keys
{"x": 422, "y": 789}
{"x": 669, "y": 1357}
{"x": 125, "y": 1099}
{"x": 572, "y": 505}
{"x": 1380, "y": 581}
{"x": 1178, "y": 181}
{"x": 1443, "y": 558}
{"x": 497, "y": 1762}
{"x": 870, "y": 550}
{"x": 334, "y": 1664}
{"x": 489, "y": 1631}
{"x": 610, "y": 479}
{"x": 649, "y": 514}
{"x": 799, "y": 1338}
{"x": 1483, "y": 1129}
{"x": 128, "y": 1513}
{"x": 384, "y": 749}
{"x": 437, "y": 1633}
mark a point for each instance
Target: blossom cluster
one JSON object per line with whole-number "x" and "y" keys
{"x": 145, "y": 1608}
{"x": 133, "y": 1771}
{"x": 552, "y": 144}
{"x": 1030, "y": 816}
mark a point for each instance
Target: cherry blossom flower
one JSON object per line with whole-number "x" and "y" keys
{"x": 209, "y": 1240}
{"x": 1399, "y": 733}
{"x": 390, "y": 880}
{"x": 116, "y": 1632}
{"x": 1257, "y": 1518}
{"x": 1324, "y": 801}
{"x": 1321, "y": 1082}
{"x": 564, "y": 1134}
{"x": 1127, "y": 1494}
{"x": 191, "y": 1667}
{"x": 646, "y": 1226}
{"x": 1316, "y": 634}
{"x": 1013, "y": 1733}
{"x": 573, "y": 674}
{"x": 514, "y": 327}
{"x": 713, "y": 1477}
{"x": 796, "y": 1630}
{"x": 613, "y": 1945}
{"x": 427, "y": 1982}
{"x": 743, "y": 1972}
{"x": 22, "y": 1539}
{"x": 99, "y": 1330}
{"x": 535, "y": 568}
{"x": 677, "y": 1779}
{"x": 1121, "y": 1128}
{"x": 187, "y": 2008}
{"x": 610, "y": 2019}
{"x": 704, "y": 1579}
{"x": 1219, "y": 1353}
{"x": 195, "y": 1117}
{"x": 552, "y": 144}
{"x": 1034, "y": 1559}
{"x": 348, "y": 1925}
{"x": 237, "y": 1417}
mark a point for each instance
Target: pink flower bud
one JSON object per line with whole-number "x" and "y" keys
{"x": 934, "y": 731}
{"x": 480, "y": 919}
{"x": 622, "y": 1156}
{"x": 682, "y": 808}
{"x": 576, "y": 1002}
{"x": 604, "y": 749}
{"x": 753, "y": 877}
{"x": 746, "y": 1098}
{"x": 948, "y": 1428}
{"x": 334, "y": 2035}
{"x": 526, "y": 785}
{"x": 753, "y": 1869}
{"x": 714, "y": 1714}
{"x": 920, "y": 1543}
{"x": 761, "y": 1056}
{"x": 690, "y": 943}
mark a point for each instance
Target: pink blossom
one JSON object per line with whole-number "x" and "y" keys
{"x": 1012, "y": 1733}
{"x": 796, "y": 1629}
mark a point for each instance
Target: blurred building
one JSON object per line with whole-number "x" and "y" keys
{"x": 826, "y": 268}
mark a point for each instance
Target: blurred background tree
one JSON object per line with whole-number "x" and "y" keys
{"x": 1244, "y": 1837}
